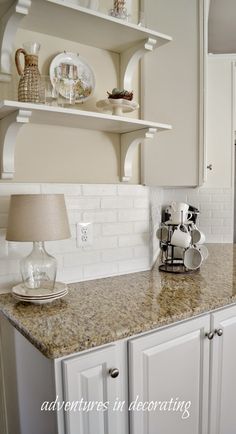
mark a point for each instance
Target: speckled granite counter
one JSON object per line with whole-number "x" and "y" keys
{"x": 105, "y": 310}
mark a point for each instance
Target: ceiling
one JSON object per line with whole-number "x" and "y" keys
{"x": 222, "y": 26}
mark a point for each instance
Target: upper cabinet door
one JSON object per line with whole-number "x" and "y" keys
{"x": 220, "y": 120}
{"x": 171, "y": 367}
{"x": 172, "y": 91}
{"x": 87, "y": 378}
{"x": 223, "y": 373}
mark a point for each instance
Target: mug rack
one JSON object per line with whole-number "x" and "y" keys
{"x": 171, "y": 259}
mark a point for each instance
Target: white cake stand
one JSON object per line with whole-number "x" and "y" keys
{"x": 117, "y": 106}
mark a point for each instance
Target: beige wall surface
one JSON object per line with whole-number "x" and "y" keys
{"x": 57, "y": 154}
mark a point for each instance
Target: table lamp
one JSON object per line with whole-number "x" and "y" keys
{"x": 38, "y": 218}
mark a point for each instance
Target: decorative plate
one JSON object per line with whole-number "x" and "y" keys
{"x": 82, "y": 74}
{"x": 40, "y": 300}
{"x": 21, "y": 291}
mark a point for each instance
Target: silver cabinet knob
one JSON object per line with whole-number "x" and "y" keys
{"x": 114, "y": 372}
{"x": 210, "y": 335}
{"x": 210, "y": 167}
{"x": 219, "y": 332}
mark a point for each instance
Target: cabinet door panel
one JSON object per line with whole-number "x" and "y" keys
{"x": 219, "y": 126}
{"x": 171, "y": 366}
{"x": 223, "y": 374}
{"x": 87, "y": 377}
{"x": 172, "y": 92}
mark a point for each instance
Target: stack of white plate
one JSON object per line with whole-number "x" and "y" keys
{"x": 39, "y": 296}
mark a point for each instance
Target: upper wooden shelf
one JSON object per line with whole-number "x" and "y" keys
{"x": 75, "y": 118}
{"x": 86, "y": 26}
{"x": 14, "y": 115}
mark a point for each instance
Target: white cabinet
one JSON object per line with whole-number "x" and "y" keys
{"x": 171, "y": 366}
{"x": 181, "y": 379}
{"x": 223, "y": 373}
{"x": 89, "y": 379}
{"x": 173, "y": 89}
{"x": 220, "y": 120}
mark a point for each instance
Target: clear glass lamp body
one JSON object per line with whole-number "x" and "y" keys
{"x": 39, "y": 269}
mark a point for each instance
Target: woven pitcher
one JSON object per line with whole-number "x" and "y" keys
{"x": 29, "y": 89}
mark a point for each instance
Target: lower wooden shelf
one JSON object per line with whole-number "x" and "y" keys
{"x": 14, "y": 115}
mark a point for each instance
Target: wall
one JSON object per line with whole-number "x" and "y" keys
{"x": 123, "y": 221}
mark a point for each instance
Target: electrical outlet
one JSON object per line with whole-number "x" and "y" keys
{"x": 84, "y": 234}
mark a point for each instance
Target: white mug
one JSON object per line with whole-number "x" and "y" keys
{"x": 180, "y": 217}
{"x": 192, "y": 258}
{"x": 179, "y": 212}
{"x": 204, "y": 251}
{"x": 179, "y": 206}
{"x": 198, "y": 237}
{"x": 162, "y": 233}
{"x": 180, "y": 238}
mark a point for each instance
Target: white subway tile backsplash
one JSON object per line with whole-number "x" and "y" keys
{"x": 117, "y": 254}
{"x": 117, "y": 228}
{"x": 81, "y": 257}
{"x": 82, "y": 203}
{"x": 125, "y": 218}
{"x": 75, "y": 216}
{"x": 105, "y": 242}
{"x": 133, "y": 215}
{"x": 117, "y": 202}
{"x": 99, "y": 190}
{"x": 141, "y": 202}
{"x": 8, "y": 266}
{"x": 6, "y": 189}
{"x": 141, "y": 251}
{"x": 141, "y": 227}
{"x": 100, "y": 216}
{"x": 3, "y": 220}
{"x": 132, "y": 190}
{"x": 70, "y": 275}
{"x": 139, "y": 264}
{"x": 66, "y": 189}
{"x": 94, "y": 271}
{"x": 134, "y": 240}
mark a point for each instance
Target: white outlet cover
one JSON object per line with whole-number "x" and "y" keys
{"x": 84, "y": 234}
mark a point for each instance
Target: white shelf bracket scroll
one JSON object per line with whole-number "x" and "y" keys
{"x": 129, "y": 61}
{"x": 9, "y": 24}
{"x": 9, "y": 129}
{"x": 129, "y": 143}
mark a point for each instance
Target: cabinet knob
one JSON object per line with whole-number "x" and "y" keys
{"x": 210, "y": 167}
{"x": 114, "y": 372}
{"x": 210, "y": 335}
{"x": 219, "y": 332}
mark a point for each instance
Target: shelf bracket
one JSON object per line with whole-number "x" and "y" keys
{"x": 129, "y": 143}
{"x": 129, "y": 61}
{"x": 9, "y": 129}
{"x": 9, "y": 24}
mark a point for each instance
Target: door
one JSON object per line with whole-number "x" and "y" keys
{"x": 87, "y": 379}
{"x": 223, "y": 373}
{"x": 220, "y": 120}
{"x": 169, "y": 371}
{"x": 172, "y": 92}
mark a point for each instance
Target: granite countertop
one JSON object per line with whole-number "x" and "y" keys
{"x": 105, "y": 310}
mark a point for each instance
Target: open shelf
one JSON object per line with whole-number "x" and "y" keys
{"x": 75, "y": 118}
{"x": 14, "y": 115}
{"x": 86, "y": 26}
{"x": 71, "y": 22}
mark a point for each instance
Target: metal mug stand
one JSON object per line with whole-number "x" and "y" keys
{"x": 169, "y": 262}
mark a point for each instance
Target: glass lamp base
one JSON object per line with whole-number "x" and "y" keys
{"x": 39, "y": 269}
